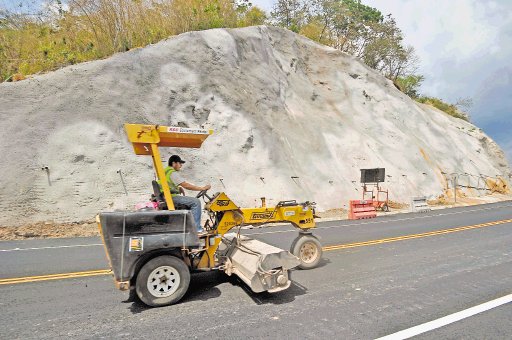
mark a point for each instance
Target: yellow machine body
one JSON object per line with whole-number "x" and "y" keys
{"x": 299, "y": 215}
{"x": 146, "y": 139}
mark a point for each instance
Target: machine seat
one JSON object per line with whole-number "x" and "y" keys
{"x": 158, "y": 196}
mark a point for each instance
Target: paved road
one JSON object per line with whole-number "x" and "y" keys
{"x": 366, "y": 291}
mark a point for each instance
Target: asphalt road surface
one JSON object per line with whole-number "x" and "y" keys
{"x": 377, "y": 277}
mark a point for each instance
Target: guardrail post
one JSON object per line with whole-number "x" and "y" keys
{"x": 455, "y": 187}
{"x": 122, "y": 181}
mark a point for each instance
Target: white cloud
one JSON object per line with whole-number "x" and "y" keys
{"x": 437, "y": 29}
{"x": 264, "y": 4}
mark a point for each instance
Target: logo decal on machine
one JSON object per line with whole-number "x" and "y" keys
{"x": 177, "y": 129}
{"x": 263, "y": 215}
{"x": 136, "y": 244}
{"x": 223, "y": 203}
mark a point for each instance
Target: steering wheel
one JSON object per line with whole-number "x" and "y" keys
{"x": 202, "y": 193}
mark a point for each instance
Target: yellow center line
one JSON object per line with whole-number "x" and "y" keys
{"x": 54, "y": 276}
{"x": 413, "y": 236}
{"x": 61, "y": 276}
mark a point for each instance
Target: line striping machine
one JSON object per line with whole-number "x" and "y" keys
{"x": 154, "y": 251}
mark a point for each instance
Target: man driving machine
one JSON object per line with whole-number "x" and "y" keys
{"x": 177, "y": 183}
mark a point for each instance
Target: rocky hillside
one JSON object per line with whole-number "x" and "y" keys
{"x": 281, "y": 106}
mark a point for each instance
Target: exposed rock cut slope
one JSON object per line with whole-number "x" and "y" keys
{"x": 281, "y": 106}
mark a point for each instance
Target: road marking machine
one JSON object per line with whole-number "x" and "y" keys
{"x": 154, "y": 251}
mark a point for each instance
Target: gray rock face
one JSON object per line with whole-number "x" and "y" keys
{"x": 280, "y": 105}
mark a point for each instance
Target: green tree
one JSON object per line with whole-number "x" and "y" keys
{"x": 354, "y": 28}
{"x": 249, "y": 15}
{"x": 410, "y": 84}
{"x": 464, "y": 103}
{"x": 290, "y": 14}
{"x": 252, "y": 17}
{"x": 449, "y": 109}
{"x": 345, "y": 23}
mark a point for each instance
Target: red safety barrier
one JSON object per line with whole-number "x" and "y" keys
{"x": 360, "y": 209}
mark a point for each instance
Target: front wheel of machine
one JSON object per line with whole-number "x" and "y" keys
{"x": 162, "y": 281}
{"x": 308, "y": 249}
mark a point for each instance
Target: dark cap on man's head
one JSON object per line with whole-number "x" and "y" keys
{"x": 175, "y": 159}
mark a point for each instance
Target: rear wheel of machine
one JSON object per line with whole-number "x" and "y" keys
{"x": 308, "y": 249}
{"x": 162, "y": 281}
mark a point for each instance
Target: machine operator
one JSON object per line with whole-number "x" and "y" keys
{"x": 177, "y": 183}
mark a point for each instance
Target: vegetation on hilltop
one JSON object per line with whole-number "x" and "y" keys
{"x": 69, "y": 32}
{"x": 454, "y": 110}
{"x": 36, "y": 39}
{"x": 352, "y": 27}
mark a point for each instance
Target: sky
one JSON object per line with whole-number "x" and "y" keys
{"x": 465, "y": 50}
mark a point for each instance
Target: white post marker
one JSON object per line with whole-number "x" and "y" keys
{"x": 413, "y": 331}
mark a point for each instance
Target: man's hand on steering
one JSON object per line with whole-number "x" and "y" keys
{"x": 193, "y": 187}
{"x": 203, "y": 191}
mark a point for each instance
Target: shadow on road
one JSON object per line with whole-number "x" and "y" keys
{"x": 279, "y": 298}
{"x": 282, "y": 297}
{"x": 137, "y": 305}
{"x": 203, "y": 287}
{"x": 323, "y": 262}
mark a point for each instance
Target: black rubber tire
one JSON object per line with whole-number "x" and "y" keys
{"x": 293, "y": 244}
{"x": 308, "y": 240}
{"x": 142, "y": 278}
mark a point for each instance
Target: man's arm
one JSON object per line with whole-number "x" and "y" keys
{"x": 180, "y": 181}
{"x": 190, "y": 186}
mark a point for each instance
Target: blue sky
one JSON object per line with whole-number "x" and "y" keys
{"x": 465, "y": 48}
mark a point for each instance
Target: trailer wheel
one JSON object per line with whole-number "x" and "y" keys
{"x": 308, "y": 249}
{"x": 162, "y": 281}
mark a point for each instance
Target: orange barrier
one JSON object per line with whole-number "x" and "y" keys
{"x": 360, "y": 209}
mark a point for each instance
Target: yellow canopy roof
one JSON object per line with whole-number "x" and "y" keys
{"x": 141, "y": 136}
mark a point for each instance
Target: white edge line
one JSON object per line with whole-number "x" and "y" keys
{"x": 428, "y": 326}
{"x": 57, "y": 247}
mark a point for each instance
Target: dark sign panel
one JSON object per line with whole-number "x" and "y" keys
{"x": 373, "y": 175}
